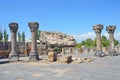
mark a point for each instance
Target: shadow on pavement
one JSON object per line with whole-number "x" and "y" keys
{"x": 4, "y": 61}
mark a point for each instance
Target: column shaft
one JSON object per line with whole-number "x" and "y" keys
{"x": 33, "y": 43}
{"x": 99, "y": 43}
{"x": 13, "y": 42}
{"x": 111, "y": 38}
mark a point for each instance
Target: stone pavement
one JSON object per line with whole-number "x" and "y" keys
{"x": 106, "y": 68}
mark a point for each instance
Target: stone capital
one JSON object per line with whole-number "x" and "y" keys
{"x": 33, "y": 26}
{"x": 98, "y": 28}
{"x": 111, "y": 29}
{"x": 13, "y": 27}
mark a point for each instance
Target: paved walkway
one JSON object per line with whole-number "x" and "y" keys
{"x": 107, "y": 68}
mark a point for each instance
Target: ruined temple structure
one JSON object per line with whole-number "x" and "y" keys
{"x": 51, "y": 39}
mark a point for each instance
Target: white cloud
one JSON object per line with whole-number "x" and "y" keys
{"x": 92, "y": 35}
{"x": 117, "y": 36}
{"x": 106, "y": 34}
{"x": 81, "y": 37}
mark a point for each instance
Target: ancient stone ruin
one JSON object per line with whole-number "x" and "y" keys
{"x": 69, "y": 53}
{"x": 51, "y": 39}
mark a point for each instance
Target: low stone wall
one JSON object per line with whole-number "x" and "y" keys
{"x": 4, "y": 53}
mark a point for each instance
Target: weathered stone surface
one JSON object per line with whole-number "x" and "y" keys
{"x": 63, "y": 51}
{"x": 112, "y": 52}
{"x": 13, "y": 27}
{"x": 105, "y": 49}
{"x": 56, "y": 38}
{"x": 52, "y": 56}
{"x": 99, "y": 53}
{"x": 77, "y": 60}
{"x": 74, "y": 58}
{"x": 86, "y": 50}
{"x": 118, "y": 48}
{"x": 88, "y": 59}
{"x": 65, "y": 59}
{"x": 33, "y": 26}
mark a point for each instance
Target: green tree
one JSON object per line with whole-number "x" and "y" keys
{"x": 5, "y": 36}
{"x": 19, "y": 37}
{"x": 105, "y": 41}
{"x": 83, "y": 42}
{"x": 88, "y": 42}
{"x": 78, "y": 45}
{"x": 23, "y": 36}
{"x": 57, "y": 48}
{"x": 38, "y": 34}
{"x": 104, "y": 38}
{"x": 1, "y": 36}
{"x": 116, "y": 42}
{"x": 93, "y": 44}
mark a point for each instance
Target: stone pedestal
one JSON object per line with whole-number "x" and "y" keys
{"x": 63, "y": 51}
{"x": 70, "y": 50}
{"x": 98, "y": 28}
{"x": 52, "y": 56}
{"x": 112, "y": 52}
{"x": 33, "y": 55}
{"x": 13, "y": 56}
{"x": 65, "y": 59}
{"x": 80, "y": 50}
{"x": 104, "y": 49}
{"x": 118, "y": 49}
{"x": 111, "y": 30}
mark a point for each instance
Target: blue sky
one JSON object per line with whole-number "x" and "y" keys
{"x": 73, "y": 17}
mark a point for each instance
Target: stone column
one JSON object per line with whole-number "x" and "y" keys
{"x": 33, "y": 55}
{"x": 13, "y": 56}
{"x": 98, "y": 28}
{"x": 111, "y": 30}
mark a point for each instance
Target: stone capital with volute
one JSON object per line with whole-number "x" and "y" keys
{"x": 33, "y": 26}
{"x": 111, "y": 29}
{"x": 13, "y": 27}
{"x": 98, "y": 28}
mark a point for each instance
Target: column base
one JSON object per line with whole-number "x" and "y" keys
{"x": 13, "y": 57}
{"x": 99, "y": 53}
{"x": 33, "y": 56}
{"x": 112, "y": 52}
